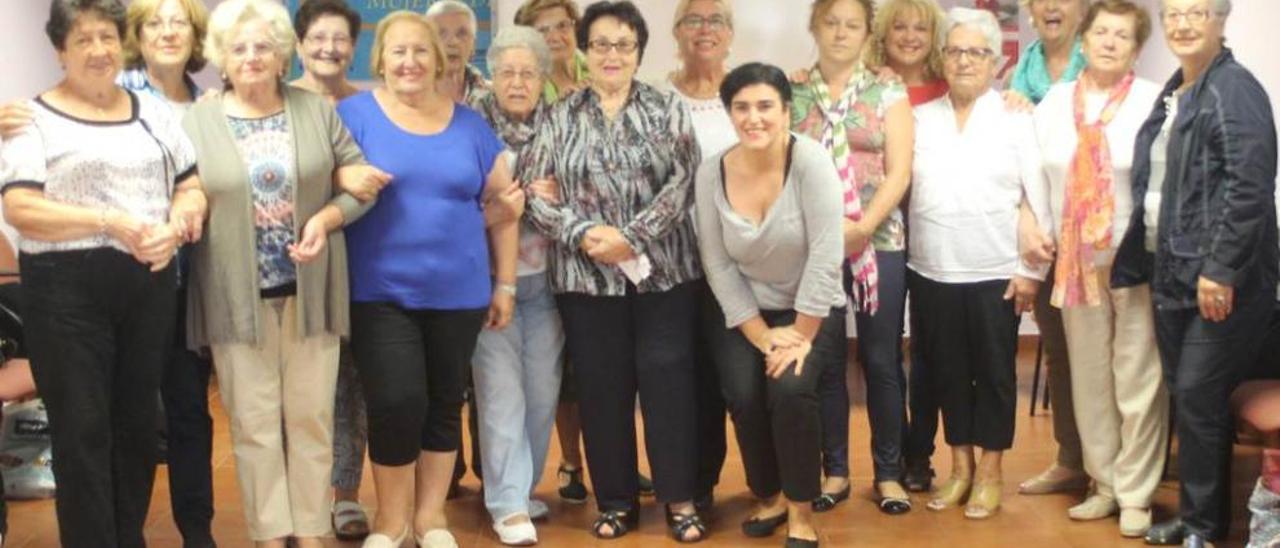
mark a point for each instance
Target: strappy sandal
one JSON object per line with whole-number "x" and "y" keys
{"x": 679, "y": 524}
{"x": 620, "y": 521}
{"x": 350, "y": 523}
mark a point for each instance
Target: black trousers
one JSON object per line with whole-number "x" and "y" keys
{"x": 778, "y": 421}
{"x": 972, "y": 333}
{"x": 413, "y": 365}
{"x": 922, "y": 403}
{"x": 640, "y": 342}
{"x": 1203, "y": 362}
{"x": 712, "y": 445}
{"x": 185, "y": 390}
{"x": 99, "y": 326}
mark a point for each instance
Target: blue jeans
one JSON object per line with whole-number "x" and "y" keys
{"x": 517, "y": 382}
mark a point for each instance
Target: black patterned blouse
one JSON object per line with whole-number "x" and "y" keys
{"x": 634, "y": 173}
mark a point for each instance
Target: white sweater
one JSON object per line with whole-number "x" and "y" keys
{"x": 1057, "y": 136}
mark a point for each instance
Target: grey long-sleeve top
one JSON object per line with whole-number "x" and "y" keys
{"x": 791, "y": 260}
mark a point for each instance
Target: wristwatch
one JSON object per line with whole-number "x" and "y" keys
{"x": 506, "y": 288}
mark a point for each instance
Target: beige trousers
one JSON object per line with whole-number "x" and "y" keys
{"x": 1122, "y": 405}
{"x": 283, "y": 386}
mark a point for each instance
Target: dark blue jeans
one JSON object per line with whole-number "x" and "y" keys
{"x": 880, "y": 353}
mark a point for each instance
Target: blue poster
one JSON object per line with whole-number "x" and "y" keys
{"x": 372, "y": 11}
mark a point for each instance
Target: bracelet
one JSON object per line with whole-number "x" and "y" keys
{"x": 509, "y": 289}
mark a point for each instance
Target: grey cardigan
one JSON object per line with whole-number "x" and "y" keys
{"x": 222, "y": 298}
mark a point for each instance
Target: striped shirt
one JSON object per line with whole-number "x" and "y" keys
{"x": 634, "y": 173}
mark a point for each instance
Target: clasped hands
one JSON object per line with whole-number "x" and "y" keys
{"x": 782, "y": 347}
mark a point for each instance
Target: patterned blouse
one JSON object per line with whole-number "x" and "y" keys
{"x": 474, "y": 86}
{"x": 634, "y": 172}
{"x": 866, "y": 137}
{"x": 266, "y": 144}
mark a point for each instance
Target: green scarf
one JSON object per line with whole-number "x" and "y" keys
{"x": 1031, "y": 76}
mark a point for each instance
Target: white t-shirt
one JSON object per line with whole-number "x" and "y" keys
{"x": 711, "y": 122}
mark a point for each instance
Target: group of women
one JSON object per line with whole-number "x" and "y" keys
{"x": 710, "y": 242}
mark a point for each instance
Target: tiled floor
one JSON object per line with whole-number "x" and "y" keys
{"x": 1038, "y": 522}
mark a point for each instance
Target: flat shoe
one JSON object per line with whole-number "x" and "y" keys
{"x": 1093, "y": 508}
{"x": 951, "y": 494}
{"x": 516, "y": 534}
{"x": 1134, "y": 522}
{"x": 828, "y": 501}
{"x": 1168, "y": 533}
{"x": 437, "y": 538}
{"x": 793, "y": 542}
{"x": 984, "y": 501}
{"x": 761, "y": 528}
{"x": 350, "y": 523}
{"x": 380, "y": 540}
{"x": 1046, "y": 484}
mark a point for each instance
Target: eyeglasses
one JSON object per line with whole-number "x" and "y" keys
{"x": 955, "y": 54}
{"x": 156, "y": 25}
{"x": 259, "y": 49}
{"x": 695, "y": 22}
{"x": 562, "y": 27}
{"x": 1192, "y": 17}
{"x": 512, "y": 74}
{"x": 320, "y": 39}
{"x": 601, "y": 46}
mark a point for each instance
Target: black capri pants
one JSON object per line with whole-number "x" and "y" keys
{"x": 413, "y": 365}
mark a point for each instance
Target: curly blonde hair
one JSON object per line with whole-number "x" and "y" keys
{"x": 876, "y": 54}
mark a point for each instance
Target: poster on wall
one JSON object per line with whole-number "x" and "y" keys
{"x": 372, "y": 11}
{"x": 1006, "y": 11}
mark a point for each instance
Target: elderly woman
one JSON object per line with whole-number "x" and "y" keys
{"x": 625, "y": 268}
{"x": 327, "y": 32}
{"x": 556, "y": 20}
{"x": 1203, "y": 234}
{"x": 102, "y": 187}
{"x": 777, "y": 277}
{"x": 456, "y": 23}
{"x": 268, "y": 283}
{"x": 1085, "y": 130}
{"x": 906, "y": 37}
{"x": 867, "y": 127}
{"x": 422, "y": 285}
{"x": 517, "y": 368}
{"x": 973, "y": 161}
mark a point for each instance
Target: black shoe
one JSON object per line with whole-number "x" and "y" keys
{"x": 1196, "y": 540}
{"x": 572, "y": 489}
{"x": 703, "y": 503}
{"x": 918, "y": 477}
{"x": 827, "y": 501}
{"x": 761, "y": 528}
{"x": 793, "y": 542}
{"x": 646, "y": 485}
{"x": 1167, "y": 533}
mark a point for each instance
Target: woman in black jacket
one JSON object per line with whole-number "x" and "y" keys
{"x": 1203, "y": 233}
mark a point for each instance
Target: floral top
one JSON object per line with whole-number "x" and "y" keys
{"x": 266, "y": 145}
{"x": 866, "y": 138}
{"x": 634, "y": 172}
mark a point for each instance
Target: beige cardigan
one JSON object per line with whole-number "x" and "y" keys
{"x": 223, "y": 294}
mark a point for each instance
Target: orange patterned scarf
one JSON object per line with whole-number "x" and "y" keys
{"x": 1089, "y": 205}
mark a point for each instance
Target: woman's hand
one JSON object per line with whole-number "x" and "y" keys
{"x": 783, "y": 336}
{"x": 362, "y": 181}
{"x": 856, "y": 237}
{"x": 1216, "y": 300}
{"x": 547, "y": 189}
{"x": 605, "y": 244}
{"x": 504, "y": 206}
{"x": 780, "y": 359}
{"x": 1036, "y": 248}
{"x": 126, "y": 229}
{"x": 187, "y": 216}
{"x": 501, "y": 307}
{"x": 14, "y": 118}
{"x": 1023, "y": 293}
{"x": 158, "y": 246}
{"x": 315, "y": 234}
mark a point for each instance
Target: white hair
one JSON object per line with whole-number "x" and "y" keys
{"x": 1220, "y": 7}
{"x": 982, "y": 21}
{"x": 230, "y": 15}
{"x": 520, "y": 37}
{"x": 444, "y": 7}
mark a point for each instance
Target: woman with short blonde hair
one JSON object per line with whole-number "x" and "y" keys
{"x": 556, "y": 21}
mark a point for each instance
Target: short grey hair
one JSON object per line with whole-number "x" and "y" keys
{"x": 232, "y": 14}
{"x": 445, "y": 7}
{"x": 520, "y": 37}
{"x": 1220, "y": 7}
{"x": 982, "y": 21}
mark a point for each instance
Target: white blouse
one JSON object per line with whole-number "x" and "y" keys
{"x": 967, "y": 185}
{"x": 1057, "y": 137}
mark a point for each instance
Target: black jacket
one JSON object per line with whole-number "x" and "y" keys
{"x": 1217, "y": 211}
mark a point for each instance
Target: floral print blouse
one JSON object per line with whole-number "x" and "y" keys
{"x": 634, "y": 172}
{"x": 866, "y": 121}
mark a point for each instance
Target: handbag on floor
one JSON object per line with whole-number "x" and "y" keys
{"x": 26, "y": 460}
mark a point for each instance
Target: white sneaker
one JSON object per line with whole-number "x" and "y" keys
{"x": 1094, "y": 507}
{"x": 517, "y": 534}
{"x": 538, "y": 510}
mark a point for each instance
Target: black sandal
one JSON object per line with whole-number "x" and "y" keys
{"x": 826, "y": 501}
{"x": 679, "y": 524}
{"x": 620, "y": 521}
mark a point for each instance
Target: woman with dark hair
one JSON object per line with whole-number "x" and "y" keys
{"x": 1203, "y": 234}
{"x": 327, "y": 33}
{"x": 769, "y": 220}
{"x": 625, "y": 268}
{"x": 102, "y": 186}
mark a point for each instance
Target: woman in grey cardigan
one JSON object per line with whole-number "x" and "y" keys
{"x": 770, "y": 229}
{"x": 269, "y": 280}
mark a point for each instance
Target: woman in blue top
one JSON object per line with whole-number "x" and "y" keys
{"x": 420, "y": 273}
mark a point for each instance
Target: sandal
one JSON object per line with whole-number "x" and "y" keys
{"x": 679, "y": 524}
{"x": 350, "y": 523}
{"x": 572, "y": 490}
{"x": 619, "y": 520}
{"x": 984, "y": 501}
